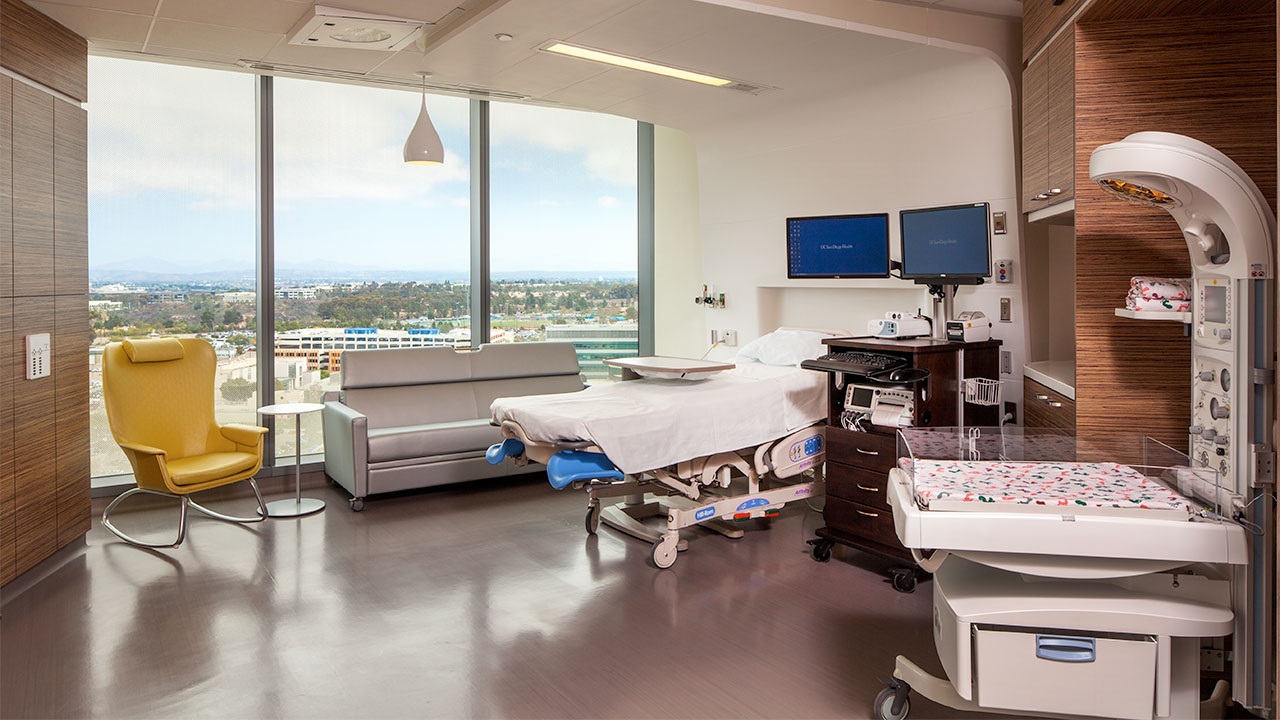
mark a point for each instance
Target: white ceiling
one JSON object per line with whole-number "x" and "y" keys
{"x": 798, "y": 60}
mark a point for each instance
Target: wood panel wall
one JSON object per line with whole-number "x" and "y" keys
{"x": 44, "y": 282}
{"x": 1210, "y": 78}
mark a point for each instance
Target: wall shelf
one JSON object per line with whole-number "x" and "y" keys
{"x": 1182, "y": 317}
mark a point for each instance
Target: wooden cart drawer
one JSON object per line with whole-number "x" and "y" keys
{"x": 864, "y": 521}
{"x": 869, "y": 450}
{"x": 866, "y": 487}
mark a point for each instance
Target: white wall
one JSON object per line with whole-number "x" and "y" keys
{"x": 677, "y": 252}
{"x": 935, "y": 129}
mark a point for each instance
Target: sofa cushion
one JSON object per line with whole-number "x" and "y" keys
{"x": 415, "y": 441}
{"x": 413, "y": 404}
{"x": 404, "y": 366}
{"x": 509, "y": 360}
{"x": 486, "y": 391}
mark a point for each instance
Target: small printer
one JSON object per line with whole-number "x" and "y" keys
{"x": 899, "y": 325}
{"x": 969, "y": 326}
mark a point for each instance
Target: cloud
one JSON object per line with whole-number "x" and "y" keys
{"x": 607, "y": 201}
{"x": 606, "y": 143}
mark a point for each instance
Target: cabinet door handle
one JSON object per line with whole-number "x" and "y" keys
{"x": 1042, "y": 397}
{"x": 870, "y": 515}
{"x": 1055, "y": 404}
{"x": 867, "y": 452}
{"x": 860, "y": 486}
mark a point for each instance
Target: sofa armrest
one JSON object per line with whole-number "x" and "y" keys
{"x": 346, "y": 447}
{"x": 335, "y": 395}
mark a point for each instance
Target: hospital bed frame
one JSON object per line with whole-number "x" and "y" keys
{"x": 692, "y": 492}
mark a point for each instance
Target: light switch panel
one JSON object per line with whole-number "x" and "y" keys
{"x": 38, "y": 356}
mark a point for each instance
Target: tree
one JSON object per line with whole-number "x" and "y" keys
{"x": 207, "y": 319}
{"x": 232, "y": 317}
{"x": 237, "y": 390}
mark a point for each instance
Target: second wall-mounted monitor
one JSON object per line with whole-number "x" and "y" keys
{"x": 947, "y": 245}
{"x": 838, "y": 246}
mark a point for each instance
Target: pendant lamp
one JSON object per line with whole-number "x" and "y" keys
{"x": 423, "y": 146}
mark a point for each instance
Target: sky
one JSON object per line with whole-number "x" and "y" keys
{"x": 171, "y": 177}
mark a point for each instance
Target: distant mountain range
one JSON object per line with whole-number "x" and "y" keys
{"x": 154, "y": 272}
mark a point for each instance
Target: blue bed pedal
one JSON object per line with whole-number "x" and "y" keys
{"x": 499, "y": 452}
{"x": 569, "y": 466}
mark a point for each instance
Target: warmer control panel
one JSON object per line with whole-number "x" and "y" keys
{"x": 1214, "y": 309}
{"x": 1211, "y": 412}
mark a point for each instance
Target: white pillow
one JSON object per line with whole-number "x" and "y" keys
{"x": 783, "y": 347}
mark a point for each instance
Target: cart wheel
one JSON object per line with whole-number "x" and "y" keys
{"x": 593, "y": 521}
{"x": 822, "y": 551}
{"x": 357, "y": 504}
{"x": 664, "y": 554}
{"x": 904, "y": 581}
{"x": 883, "y": 707}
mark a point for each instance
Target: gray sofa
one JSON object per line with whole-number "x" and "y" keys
{"x": 419, "y": 417}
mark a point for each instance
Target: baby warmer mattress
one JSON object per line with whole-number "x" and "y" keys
{"x": 1057, "y": 487}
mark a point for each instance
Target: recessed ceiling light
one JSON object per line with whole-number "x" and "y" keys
{"x": 601, "y": 56}
{"x": 360, "y": 35}
{"x": 503, "y": 37}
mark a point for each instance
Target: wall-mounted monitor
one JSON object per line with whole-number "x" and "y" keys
{"x": 838, "y": 246}
{"x": 947, "y": 245}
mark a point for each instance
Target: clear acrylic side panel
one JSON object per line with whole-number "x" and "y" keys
{"x": 1177, "y": 471}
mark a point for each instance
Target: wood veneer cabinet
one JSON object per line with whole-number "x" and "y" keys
{"x": 44, "y": 423}
{"x": 1048, "y": 125}
{"x": 1044, "y": 407}
{"x": 1040, "y": 19}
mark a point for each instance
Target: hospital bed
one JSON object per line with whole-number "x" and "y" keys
{"x": 688, "y": 445}
{"x": 1064, "y": 583}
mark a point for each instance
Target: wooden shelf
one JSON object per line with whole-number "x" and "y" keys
{"x": 1182, "y": 317}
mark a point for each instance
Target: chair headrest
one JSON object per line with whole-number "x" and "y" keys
{"x": 153, "y": 350}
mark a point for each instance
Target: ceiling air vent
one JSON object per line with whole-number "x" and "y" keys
{"x": 742, "y": 87}
{"x": 337, "y": 28}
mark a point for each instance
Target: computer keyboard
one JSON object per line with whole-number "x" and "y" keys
{"x": 854, "y": 362}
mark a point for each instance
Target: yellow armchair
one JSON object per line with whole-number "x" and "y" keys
{"x": 159, "y": 399}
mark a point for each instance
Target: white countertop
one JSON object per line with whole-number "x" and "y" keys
{"x": 1057, "y": 375}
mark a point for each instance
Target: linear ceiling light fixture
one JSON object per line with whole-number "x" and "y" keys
{"x": 423, "y": 146}
{"x": 586, "y": 53}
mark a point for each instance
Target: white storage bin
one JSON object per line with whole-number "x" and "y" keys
{"x": 1026, "y": 670}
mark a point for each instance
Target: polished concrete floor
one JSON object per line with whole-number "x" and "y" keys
{"x": 474, "y": 601}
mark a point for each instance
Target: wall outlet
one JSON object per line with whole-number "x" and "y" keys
{"x": 1006, "y": 309}
{"x": 38, "y": 356}
{"x": 1006, "y": 362}
{"x": 729, "y": 337}
{"x": 1011, "y": 410}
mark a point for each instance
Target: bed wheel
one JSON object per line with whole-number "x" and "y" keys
{"x": 357, "y": 504}
{"x": 664, "y": 554}
{"x": 593, "y": 520}
{"x": 883, "y": 707}
{"x": 822, "y": 550}
{"x": 904, "y": 580}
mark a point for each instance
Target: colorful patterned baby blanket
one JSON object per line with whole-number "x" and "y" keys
{"x": 1058, "y": 487}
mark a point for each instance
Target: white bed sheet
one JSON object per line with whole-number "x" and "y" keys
{"x": 651, "y": 423}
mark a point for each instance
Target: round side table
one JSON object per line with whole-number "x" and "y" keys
{"x": 298, "y": 505}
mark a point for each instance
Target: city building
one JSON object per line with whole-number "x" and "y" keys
{"x": 596, "y": 343}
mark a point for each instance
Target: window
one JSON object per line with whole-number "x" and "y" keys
{"x": 370, "y": 253}
{"x": 563, "y": 231}
{"x": 171, "y": 224}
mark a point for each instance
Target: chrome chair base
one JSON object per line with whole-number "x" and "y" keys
{"x": 182, "y": 515}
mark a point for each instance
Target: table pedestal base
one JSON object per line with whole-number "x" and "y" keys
{"x": 294, "y": 507}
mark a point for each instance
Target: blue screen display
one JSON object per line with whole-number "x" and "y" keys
{"x": 838, "y": 246}
{"x": 946, "y": 242}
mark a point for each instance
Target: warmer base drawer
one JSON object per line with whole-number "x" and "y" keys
{"x": 1065, "y": 674}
